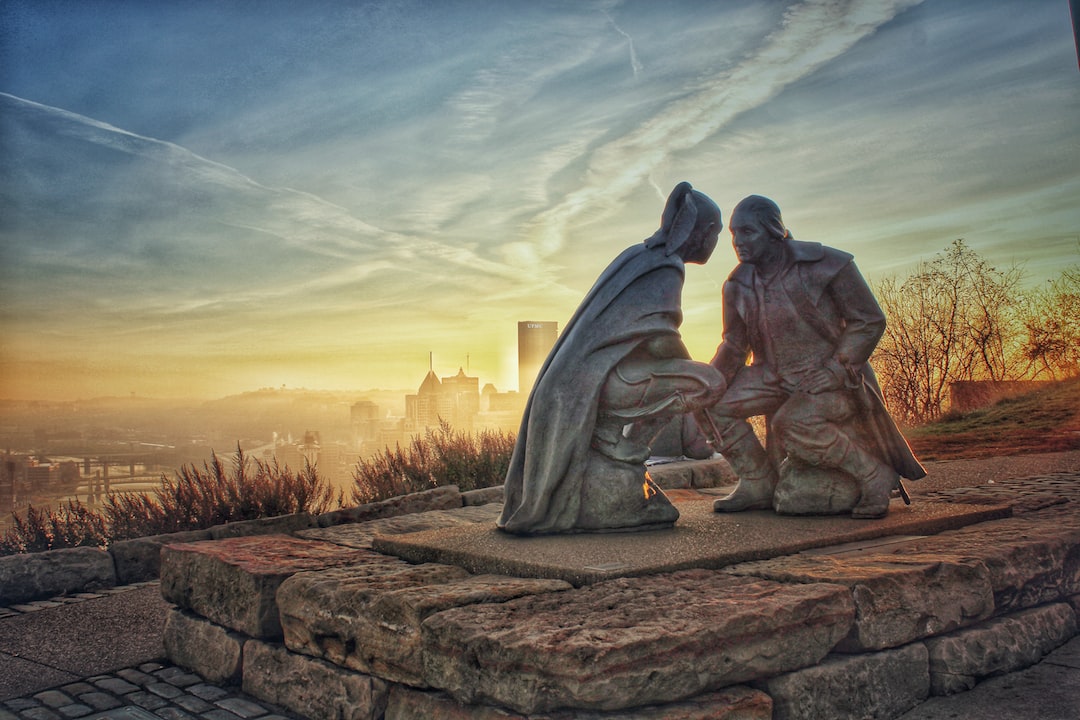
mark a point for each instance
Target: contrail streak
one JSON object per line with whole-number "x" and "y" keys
{"x": 635, "y": 65}
{"x": 812, "y": 33}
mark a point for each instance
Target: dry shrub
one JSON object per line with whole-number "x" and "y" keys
{"x": 71, "y": 525}
{"x": 194, "y": 499}
{"x": 199, "y": 498}
{"x": 441, "y": 456}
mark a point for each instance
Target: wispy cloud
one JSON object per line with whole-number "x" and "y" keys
{"x": 812, "y": 34}
{"x": 513, "y": 75}
{"x": 289, "y": 217}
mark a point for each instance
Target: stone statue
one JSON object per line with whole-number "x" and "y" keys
{"x": 805, "y": 314}
{"x": 615, "y": 376}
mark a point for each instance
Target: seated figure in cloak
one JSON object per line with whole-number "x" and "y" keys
{"x": 616, "y": 375}
{"x": 810, "y": 322}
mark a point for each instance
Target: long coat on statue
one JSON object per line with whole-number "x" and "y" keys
{"x": 822, "y": 272}
{"x": 636, "y": 298}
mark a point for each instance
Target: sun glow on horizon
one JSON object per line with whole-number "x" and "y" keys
{"x": 199, "y": 201}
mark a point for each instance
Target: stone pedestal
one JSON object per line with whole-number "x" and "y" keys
{"x": 620, "y": 496}
{"x": 809, "y": 490}
{"x": 233, "y": 582}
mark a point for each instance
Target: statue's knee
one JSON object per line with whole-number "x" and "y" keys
{"x": 796, "y": 437}
{"x": 784, "y": 425}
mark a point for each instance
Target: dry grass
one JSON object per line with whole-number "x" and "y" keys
{"x": 1046, "y": 420}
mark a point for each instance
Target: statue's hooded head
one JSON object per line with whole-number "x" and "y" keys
{"x": 765, "y": 212}
{"x": 689, "y": 226}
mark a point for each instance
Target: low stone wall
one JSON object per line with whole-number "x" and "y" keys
{"x": 54, "y": 572}
{"x": 33, "y": 576}
{"x": 821, "y": 634}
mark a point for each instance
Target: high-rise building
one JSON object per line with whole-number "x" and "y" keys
{"x": 7, "y": 485}
{"x": 364, "y": 420}
{"x": 463, "y": 395}
{"x": 455, "y": 400}
{"x": 535, "y": 340}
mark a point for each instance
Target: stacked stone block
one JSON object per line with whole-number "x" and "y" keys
{"x": 870, "y": 633}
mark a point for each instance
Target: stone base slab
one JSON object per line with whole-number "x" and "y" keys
{"x": 1002, "y": 645}
{"x": 233, "y": 581}
{"x": 806, "y": 630}
{"x": 701, "y": 539}
{"x": 310, "y": 687}
{"x": 1029, "y": 563}
{"x": 199, "y": 645}
{"x": 368, "y": 618}
{"x": 362, "y": 535}
{"x": 898, "y": 598}
{"x": 733, "y": 703}
{"x": 876, "y": 685}
{"x": 632, "y": 641}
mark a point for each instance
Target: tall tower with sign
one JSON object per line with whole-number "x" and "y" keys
{"x": 535, "y": 340}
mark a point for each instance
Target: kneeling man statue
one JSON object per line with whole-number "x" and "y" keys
{"x": 810, "y": 322}
{"x": 617, "y": 374}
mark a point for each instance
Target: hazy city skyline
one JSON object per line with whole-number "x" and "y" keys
{"x": 198, "y": 199}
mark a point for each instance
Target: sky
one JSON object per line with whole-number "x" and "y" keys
{"x": 200, "y": 198}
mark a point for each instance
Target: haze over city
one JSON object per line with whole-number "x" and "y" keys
{"x": 202, "y": 198}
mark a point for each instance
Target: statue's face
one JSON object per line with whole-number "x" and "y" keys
{"x": 703, "y": 243}
{"x": 752, "y": 242}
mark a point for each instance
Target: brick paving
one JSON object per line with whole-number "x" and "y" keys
{"x": 150, "y": 691}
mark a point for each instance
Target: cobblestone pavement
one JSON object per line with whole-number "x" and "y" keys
{"x": 161, "y": 691}
{"x": 151, "y": 691}
{"x": 38, "y": 605}
{"x": 154, "y": 690}
{"x": 1058, "y": 491}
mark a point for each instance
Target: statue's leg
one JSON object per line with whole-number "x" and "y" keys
{"x": 645, "y": 395}
{"x": 645, "y": 431}
{"x": 610, "y": 441}
{"x": 809, "y": 428}
{"x": 747, "y": 397}
{"x": 757, "y": 476}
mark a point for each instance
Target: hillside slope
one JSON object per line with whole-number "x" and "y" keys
{"x": 1046, "y": 420}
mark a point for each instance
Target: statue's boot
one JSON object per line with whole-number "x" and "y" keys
{"x": 876, "y": 480}
{"x": 756, "y": 494}
{"x": 757, "y": 476}
{"x": 876, "y": 489}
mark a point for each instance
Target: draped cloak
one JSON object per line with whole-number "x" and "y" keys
{"x": 638, "y": 297}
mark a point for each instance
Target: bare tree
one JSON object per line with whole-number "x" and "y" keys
{"x": 992, "y": 314}
{"x": 1052, "y": 325}
{"x": 955, "y": 318}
